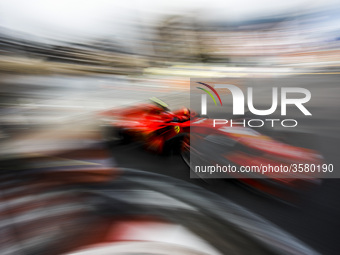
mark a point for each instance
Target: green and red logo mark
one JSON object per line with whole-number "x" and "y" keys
{"x": 209, "y": 93}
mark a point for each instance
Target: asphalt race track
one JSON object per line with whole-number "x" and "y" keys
{"x": 315, "y": 221}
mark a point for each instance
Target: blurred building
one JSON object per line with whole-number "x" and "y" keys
{"x": 310, "y": 37}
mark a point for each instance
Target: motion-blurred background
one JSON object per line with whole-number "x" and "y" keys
{"x": 62, "y": 62}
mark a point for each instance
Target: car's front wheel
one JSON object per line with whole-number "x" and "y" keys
{"x": 114, "y": 135}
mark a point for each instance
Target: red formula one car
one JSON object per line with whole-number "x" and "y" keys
{"x": 203, "y": 144}
{"x": 154, "y": 124}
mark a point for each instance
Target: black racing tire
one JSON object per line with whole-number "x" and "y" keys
{"x": 112, "y": 136}
{"x": 174, "y": 145}
{"x": 185, "y": 150}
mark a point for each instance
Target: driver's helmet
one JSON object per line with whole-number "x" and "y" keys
{"x": 184, "y": 114}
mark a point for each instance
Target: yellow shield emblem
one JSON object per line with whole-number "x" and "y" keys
{"x": 177, "y": 129}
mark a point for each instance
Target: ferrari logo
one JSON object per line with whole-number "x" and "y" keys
{"x": 177, "y": 129}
